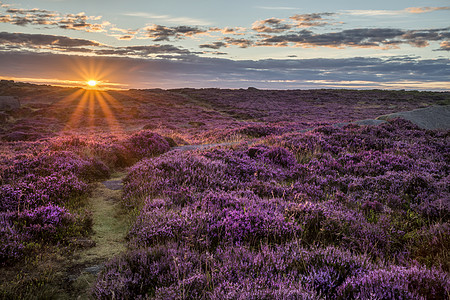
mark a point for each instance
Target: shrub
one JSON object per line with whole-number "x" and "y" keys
{"x": 397, "y": 282}
{"x": 146, "y": 143}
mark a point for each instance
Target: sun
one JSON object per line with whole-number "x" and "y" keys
{"x": 92, "y": 83}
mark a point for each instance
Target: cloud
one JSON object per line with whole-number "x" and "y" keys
{"x": 371, "y": 12}
{"x": 164, "y": 33}
{"x": 272, "y": 25}
{"x": 32, "y": 40}
{"x": 81, "y": 22}
{"x": 272, "y": 32}
{"x": 143, "y": 50}
{"x": 361, "y": 37}
{"x": 409, "y": 10}
{"x": 311, "y": 20}
{"x": 29, "y": 11}
{"x": 43, "y": 42}
{"x": 219, "y": 72}
{"x": 214, "y": 45}
{"x": 241, "y": 43}
{"x": 445, "y": 46}
{"x": 228, "y": 30}
{"x": 276, "y": 25}
{"x": 421, "y": 10}
{"x": 42, "y": 17}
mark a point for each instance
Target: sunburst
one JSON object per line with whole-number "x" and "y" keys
{"x": 93, "y": 108}
{"x": 92, "y": 83}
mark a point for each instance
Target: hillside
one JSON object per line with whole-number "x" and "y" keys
{"x": 223, "y": 194}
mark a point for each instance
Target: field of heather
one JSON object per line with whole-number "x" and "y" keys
{"x": 222, "y": 194}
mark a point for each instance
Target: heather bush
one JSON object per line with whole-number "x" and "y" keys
{"x": 214, "y": 219}
{"x": 372, "y": 189}
{"x": 33, "y": 191}
{"x": 44, "y": 224}
{"x": 326, "y": 269}
{"x": 51, "y": 224}
{"x": 281, "y": 156}
{"x": 172, "y": 272}
{"x": 272, "y": 220}
{"x": 167, "y": 174}
{"x": 12, "y": 241}
{"x": 397, "y": 282}
{"x": 146, "y": 143}
{"x": 331, "y": 223}
{"x": 50, "y": 162}
{"x": 275, "y": 288}
{"x": 139, "y": 273}
{"x": 113, "y": 151}
{"x": 250, "y": 130}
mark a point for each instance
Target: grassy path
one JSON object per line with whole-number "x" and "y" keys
{"x": 59, "y": 274}
{"x": 110, "y": 223}
{"x": 109, "y": 230}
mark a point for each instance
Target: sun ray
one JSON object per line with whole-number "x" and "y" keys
{"x": 91, "y": 115}
{"x": 68, "y": 100}
{"x": 76, "y": 115}
{"x": 112, "y": 101}
{"x": 113, "y": 124}
{"x": 96, "y": 107}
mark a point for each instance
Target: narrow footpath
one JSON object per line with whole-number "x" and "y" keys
{"x": 110, "y": 226}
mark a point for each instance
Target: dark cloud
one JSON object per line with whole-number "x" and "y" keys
{"x": 228, "y": 41}
{"x": 241, "y": 43}
{"x": 421, "y": 38}
{"x": 81, "y": 22}
{"x": 167, "y": 72}
{"x": 268, "y": 32}
{"x": 31, "y": 40}
{"x": 272, "y": 25}
{"x": 143, "y": 50}
{"x": 38, "y": 19}
{"x": 275, "y": 25}
{"x": 28, "y": 11}
{"x": 311, "y": 20}
{"x": 362, "y": 37}
{"x": 24, "y": 17}
{"x": 164, "y": 33}
{"x": 214, "y": 45}
{"x": 23, "y": 41}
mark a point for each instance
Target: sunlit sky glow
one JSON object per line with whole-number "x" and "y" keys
{"x": 230, "y": 44}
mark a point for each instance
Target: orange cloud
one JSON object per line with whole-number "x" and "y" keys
{"x": 421, "y": 10}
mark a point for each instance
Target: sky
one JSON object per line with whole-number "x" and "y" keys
{"x": 228, "y": 44}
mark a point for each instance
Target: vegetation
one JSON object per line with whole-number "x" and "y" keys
{"x": 332, "y": 212}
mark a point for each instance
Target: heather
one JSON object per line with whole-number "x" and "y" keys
{"x": 45, "y": 188}
{"x": 327, "y": 213}
{"x": 222, "y": 194}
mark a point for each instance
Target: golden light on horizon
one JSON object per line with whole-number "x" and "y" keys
{"x": 93, "y": 74}
{"x": 92, "y": 83}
